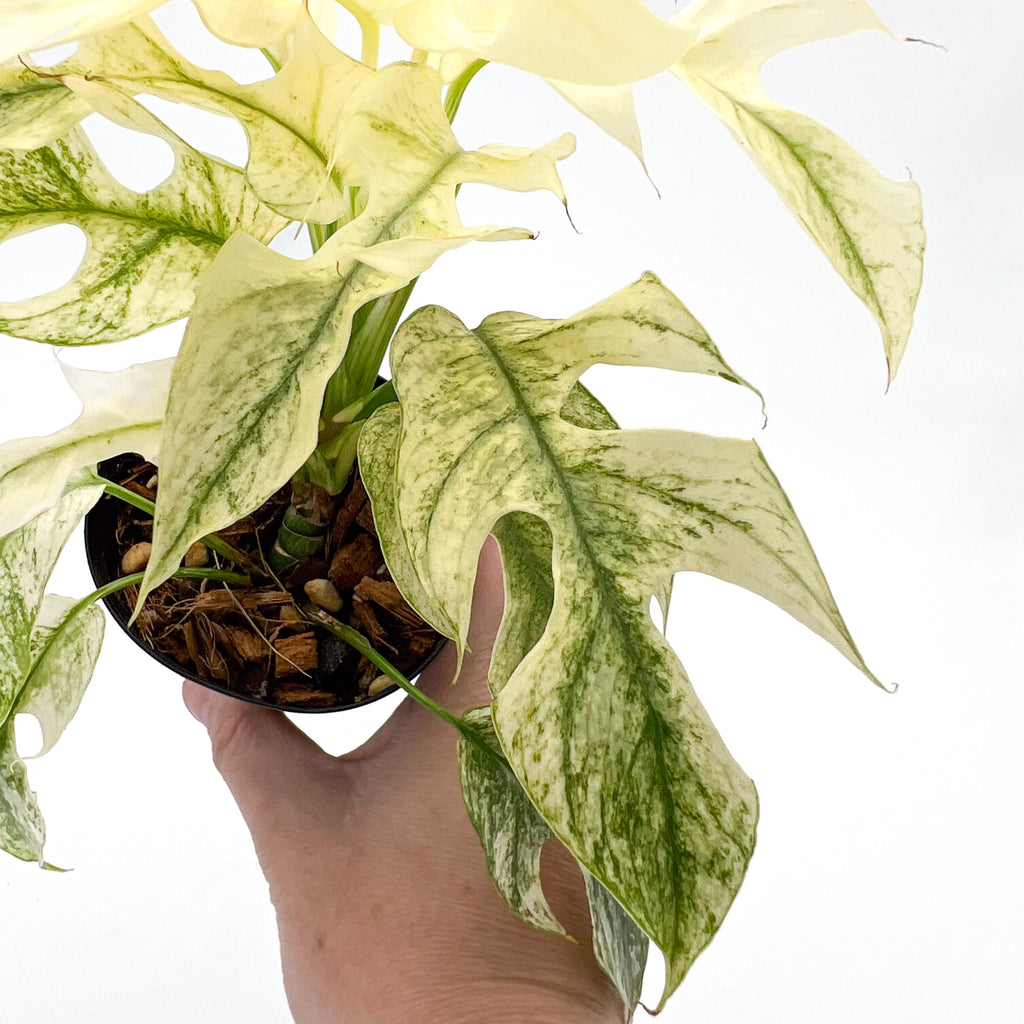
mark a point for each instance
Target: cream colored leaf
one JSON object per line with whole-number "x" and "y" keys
{"x": 35, "y": 108}
{"x": 267, "y": 332}
{"x": 65, "y": 645}
{"x": 144, "y": 250}
{"x": 611, "y": 108}
{"x": 33, "y": 24}
{"x": 122, "y": 411}
{"x": 598, "y": 720}
{"x": 586, "y": 42}
{"x": 291, "y": 119}
{"x": 256, "y": 23}
{"x": 867, "y": 225}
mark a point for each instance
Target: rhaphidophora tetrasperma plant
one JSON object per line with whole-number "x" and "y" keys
{"x": 480, "y": 431}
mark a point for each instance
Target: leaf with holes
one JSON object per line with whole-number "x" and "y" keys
{"x": 868, "y": 226}
{"x": 122, "y": 411}
{"x": 144, "y": 250}
{"x": 267, "y": 332}
{"x": 598, "y": 719}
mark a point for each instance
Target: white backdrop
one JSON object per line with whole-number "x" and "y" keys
{"x": 886, "y": 885}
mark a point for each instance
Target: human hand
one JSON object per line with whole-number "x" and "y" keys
{"x": 385, "y": 909}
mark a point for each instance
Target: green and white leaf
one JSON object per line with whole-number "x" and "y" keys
{"x": 267, "y": 332}
{"x": 144, "y": 250}
{"x": 599, "y": 721}
{"x": 291, "y": 119}
{"x": 64, "y": 645}
{"x": 868, "y": 226}
{"x": 513, "y": 835}
{"x": 510, "y": 829}
{"x": 35, "y": 108}
{"x": 122, "y": 411}
{"x": 33, "y": 24}
{"x": 27, "y": 557}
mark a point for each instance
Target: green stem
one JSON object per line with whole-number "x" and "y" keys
{"x": 356, "y": 639}
{"x": 213, "y": 542}
{"x": 453, "y": 97}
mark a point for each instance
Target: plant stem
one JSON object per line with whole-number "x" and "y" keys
{"x": 453, "y": 97}
{"x": 213, "y": 542}
{"x": 356, "y": 639}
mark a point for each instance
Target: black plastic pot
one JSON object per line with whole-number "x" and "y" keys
{"x": 104, "y": 559}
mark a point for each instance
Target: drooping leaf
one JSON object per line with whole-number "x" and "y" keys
{"x": 267, "y": 332}
{"x": 611, "y": 108}
{"x": 620, "y": 947}
{"x": 64, "y": 645}
{"x": 868, "y": 226}
{"x": 33, "y": 24}
{"x": 27, "y": 557}
{"x": 599, "y": 721}
{"x": 613, "y": 42}
{"x": 144, "y": 250}
{"x": 122, "y": 411}
{"x": 513, "y": 835}
{"x": 510, "y": 829}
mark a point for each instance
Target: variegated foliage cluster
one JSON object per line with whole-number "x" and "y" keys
{"x": 595, "y": 735}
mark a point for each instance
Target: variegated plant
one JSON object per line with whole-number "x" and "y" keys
{"x": 593, "y": 715}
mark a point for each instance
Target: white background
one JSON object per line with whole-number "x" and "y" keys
{"x": 886, "y": 886}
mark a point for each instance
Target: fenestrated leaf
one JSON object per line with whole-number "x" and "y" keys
{"x": 513, "y": 835}
{"x": 64, "y": 646}
{"x": 867, "y": 225}
{"x": 122, "y": 411}
{"x": 35, "y": 108}
{"x": 144, "y": 250}
{"x": 510, "y": 829}
{"x": 267, "y": 332}
{"x": 27, "y": 557}
{"x": 291, "y": 119}
{"x": 32, "y": 24}
{"x": 599, "y": 721}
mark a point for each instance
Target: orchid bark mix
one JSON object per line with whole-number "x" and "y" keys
{"x": 595, "y": 735}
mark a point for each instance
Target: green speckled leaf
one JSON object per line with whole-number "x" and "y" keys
{"x": 267, "y": 332}
{"x": 291, "y": 119}
{"x": 513, "y": 835}
{"x": 27, "y": 557}
{"x": 64, "y": 646}
{"x": 512, "y": 832}
{"x": 35, "y": 109}
{"x": 122, "y": 411}
{"x": 144, "y": 250}
{"x": 598, "y": 720}
{"x": 868, "y": 226}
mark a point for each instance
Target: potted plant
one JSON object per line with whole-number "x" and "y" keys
{"x": 478, "y": 431}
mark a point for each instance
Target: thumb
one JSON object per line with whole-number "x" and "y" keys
{"x": 267, "y": 762}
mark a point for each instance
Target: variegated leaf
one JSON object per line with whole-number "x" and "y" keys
{"x": 291, "y": 119}
{"x": 599, "y": 721}
{"x": 32, "y": 24}
{"x": 144, "y": 250}
{"x": 868, "y": 226}
{"x": 510, "y": 829}
{"x": 122, "y": 411}
{"x": 35, "y": 108}
{"x": 513, "y": 835}
{"x": 64, "y": 646}
{"x": 27, "y": 557}
{"x": 267, "y": 332}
